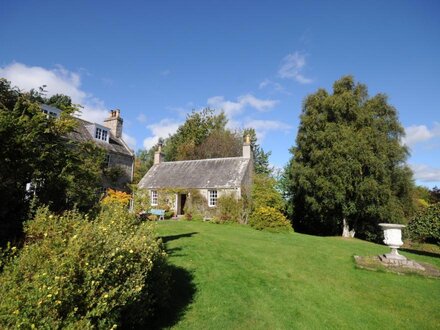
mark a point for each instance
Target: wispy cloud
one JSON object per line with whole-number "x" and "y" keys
{"x": 232, "y": 108}
{"x": 292, "y": 66}
{"x": 262, "y": 127}
{"x": 161, "y": 129}
{"x": 141, "y": 118}
{"x": 420, "y": 133}
{"x": 165, "y": 72}
{"x": 426, "y": 173}
{"x": 58, "y": 80}
{"x": 276, "y": 87}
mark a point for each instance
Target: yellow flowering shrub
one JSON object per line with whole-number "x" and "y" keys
{"x": 116, "y": 196}
{"x": 76, "y": 273}
{"x": 269, "y": 218}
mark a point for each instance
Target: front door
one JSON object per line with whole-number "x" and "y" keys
{"x": 182, "y": 203}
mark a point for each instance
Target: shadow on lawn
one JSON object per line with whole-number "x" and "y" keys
{"x": 166, "y": 239}
{"x": 422, "y": 253}
{"x": 182, "y": 292}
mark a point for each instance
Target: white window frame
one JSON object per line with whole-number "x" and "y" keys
{"x": 98, "y": 133}
{"x": 212, "y": 198}
{"x": 104, "y": 135}
{"x": 154, "y": 197}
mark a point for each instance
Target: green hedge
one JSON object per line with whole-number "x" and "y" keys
{"x": 425, "y": 226}
{"x": 77, "y": 273}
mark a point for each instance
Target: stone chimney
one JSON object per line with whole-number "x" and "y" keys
{"x": 114, "y": 123}
{"x": 158, "y": 155}
{"x": 247, "y": 148}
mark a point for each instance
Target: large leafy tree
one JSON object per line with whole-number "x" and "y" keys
{"x": 348, "y": 165}
{"x": 38, "y": 162}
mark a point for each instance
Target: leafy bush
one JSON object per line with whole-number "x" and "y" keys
{"x": 77, "y": 273}
{"x": 425, "y": 226}
{"x": 269, "y": 218}
{"x": 141, "y": 199}
{"x": 116, "y": 196}
{"x": 229, "y": 209}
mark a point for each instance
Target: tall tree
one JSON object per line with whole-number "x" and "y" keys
{"x": 348, "y": 165}
{"x": 261, "y": 158}
{"x": 196, "y": 129}
{"x": 35, "y": 151}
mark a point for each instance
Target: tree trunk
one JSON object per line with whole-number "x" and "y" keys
{"x": 346, "y": 232}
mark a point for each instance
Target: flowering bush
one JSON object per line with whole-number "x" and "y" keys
{"x": 77, "y": 273}
{"x": 266, "y": 217}
{"x": 116, "y": 196}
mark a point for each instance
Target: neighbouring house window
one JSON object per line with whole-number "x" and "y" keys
{"x": 101, "y": 134}
{"x": 212, "y": 198}
{"x": 153, "y": 197}
{"x": 98, "y": 133}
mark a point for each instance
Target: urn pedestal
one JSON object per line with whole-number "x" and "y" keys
{"x": 393, "y": 238}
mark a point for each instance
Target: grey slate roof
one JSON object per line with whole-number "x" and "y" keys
{"x": 204, "y": 173}
{"x": 81, "y": 134}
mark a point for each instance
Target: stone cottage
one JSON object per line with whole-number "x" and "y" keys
{"x": 175, "y": 182}
{"x": 119, "y": 159}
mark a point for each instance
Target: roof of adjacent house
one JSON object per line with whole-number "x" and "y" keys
{"x": 82, "y": 134}
{"x": 204, "y": 173}
{"x": 114, "y": 144}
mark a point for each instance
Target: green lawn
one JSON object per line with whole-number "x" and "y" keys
{"x": 234, "y": 277}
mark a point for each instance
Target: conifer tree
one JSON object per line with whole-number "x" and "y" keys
{"x": 348, "y": 165}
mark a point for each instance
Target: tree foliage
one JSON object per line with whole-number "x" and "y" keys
{"x": 76, "y": 273}
{"x": 425, "y": 225}
{"x": 348, "y": 163}
{"x": 203, "y": 135}
{"x": 38, "y": 161}
{"x": 268, "y": 206}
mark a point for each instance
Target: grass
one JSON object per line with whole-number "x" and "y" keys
{"x": 234, "y": 277}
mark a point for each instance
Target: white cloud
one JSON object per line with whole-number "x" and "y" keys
{"x": 426, "y": 173}
{"x": 262, "y": 127}
{"x": 130, "y": 140}
{"x": 58, "y": 81}
{"x": 420, "y": 133}
{"x": 232, "y": 108}
{"x": 292, "y": 66}
{"x": 142, "y": 118}
{"x": 161, "y": 129}
{"x": 165, "y": 72}
{"x": 277, "y": 87}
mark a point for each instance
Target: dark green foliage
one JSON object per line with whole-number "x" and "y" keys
{"x": 261, "y": 158}
{"x": 425, "y": 226}
{"x": 348, "y": 162}
{"x": 434, "y": 195}
{"x": 76, "y": 273}
{"x": 35, "y": 150}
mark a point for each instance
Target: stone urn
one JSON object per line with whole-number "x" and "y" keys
{"x": 393, "y": 238}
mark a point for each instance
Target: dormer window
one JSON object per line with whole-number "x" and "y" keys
{"x": 101, "y": 134}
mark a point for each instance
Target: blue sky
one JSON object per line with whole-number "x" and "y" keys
{"x": 257, "y": 60}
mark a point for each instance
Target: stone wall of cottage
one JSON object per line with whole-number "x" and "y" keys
{"x": 124, "y": 164}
